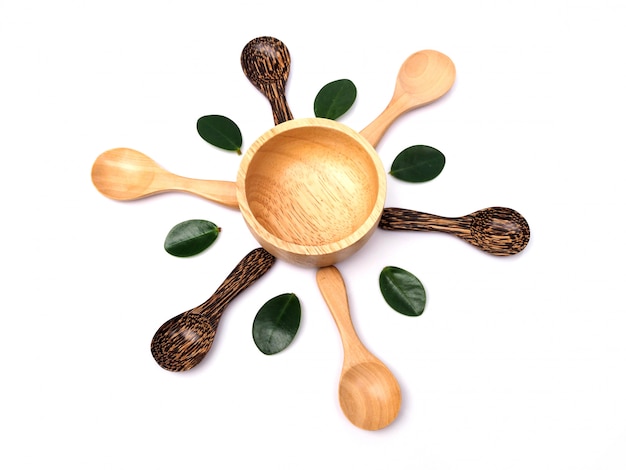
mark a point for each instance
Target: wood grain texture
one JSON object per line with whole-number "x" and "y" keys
{"x": 266, "y": 63}
{"x": 183, "y": 341}
{"x": 125, "y": 174}
{"x": 499, "y": 231}
{"x": 369, "y": 394}
{"x": 311, "y": 191}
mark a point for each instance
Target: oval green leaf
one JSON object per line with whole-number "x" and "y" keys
{"x": 402, "y": 291}
{"x": 276, "y": 323}
{"x": 190, "y": 237}
{"x": 418, "y": 164}
{"x": 334, "y": 99}
{"x": 221, "y": 132}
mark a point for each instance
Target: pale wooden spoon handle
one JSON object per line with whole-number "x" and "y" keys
{"x": 333, "y": 289}
{"x": 222, "y": 192}
{"x": 375, "y": 130}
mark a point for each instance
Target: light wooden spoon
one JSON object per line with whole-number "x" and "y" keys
{"x": 424, "y": 77}
{"x": 266, "y": 62}
{"x": 125, "y": 174}
{"x": 369, "y": 394}
{"x": 499, "y": 231}
{"x": 183, "y": 341}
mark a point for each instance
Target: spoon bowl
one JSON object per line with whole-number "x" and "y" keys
{"x": 369, "y": 395}
{"x": 183, "y": 341}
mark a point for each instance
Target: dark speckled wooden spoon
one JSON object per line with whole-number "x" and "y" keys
{"x": 183, "y": 341}
{"x": 499, "y": 231}
{"x": 266, "y": 62}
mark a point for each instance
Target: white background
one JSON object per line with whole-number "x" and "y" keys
{"x": 517, "y": 363}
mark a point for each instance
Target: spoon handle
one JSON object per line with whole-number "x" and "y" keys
{"x": 333, "y": 289}
{"x": 376, "y": 129}
{"x": 394, "y": 218}
{"x": 222, "y": 192}
{"x": 248, "y": 270}
{"x": 275, "y": 93}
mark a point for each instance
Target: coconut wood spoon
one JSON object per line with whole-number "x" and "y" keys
{"x": 266, "y": 62}
{"x": 183, "y": 341}
{"x": 424, "y": 77}
{"x": 126, "y": 174}
{"x": 369, "y": 394}
{"x": 499, "y": 231}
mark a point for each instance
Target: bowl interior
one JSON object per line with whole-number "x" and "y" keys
{"x": 312, "y": 185}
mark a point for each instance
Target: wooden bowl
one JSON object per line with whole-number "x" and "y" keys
{"x": 311, "y": 191}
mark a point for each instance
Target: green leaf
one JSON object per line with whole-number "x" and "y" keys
{"x": 221, "y": 132}
{"x": 190, "y": 237}
{"x": 276, "y": 323}
{"x": 418, "y": 164}
{"x": 402, "y": 291}
{"x": 334, "y": 99}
